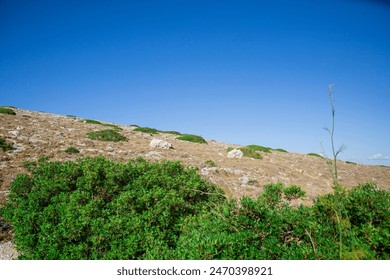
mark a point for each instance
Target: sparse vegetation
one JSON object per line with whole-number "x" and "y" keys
{"x": 192, "y": 138}
{"x": 146, "y": 130}
{"x": 315, "y": 155}
{"x": 72, "y": 150}
{"x": 91, "y": 122}
{"x": 248, "y": 152}
{"x": 107, "y": 135}
{"x": 4, "y": 145}
{"x": 210, "y": 163}
{"x": 171, "y": 132}
{"x": 293, "y": 192}
{"x": 251, "y": 153}
{"x": 253, "y": 182}
{"x": 280, "y": 150}
{"x": 351, "y": 162}
{"x": 7, "y": 111}
{"x": 259, "y": 148}
{"x": 103, "y": 124}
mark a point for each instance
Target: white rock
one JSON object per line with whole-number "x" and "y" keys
{"x": 235, "y": 154}
{"x": 15, "y": 133}
{"x": 157, "y": 143}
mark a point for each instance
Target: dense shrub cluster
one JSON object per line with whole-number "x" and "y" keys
{"x": 107, "y": 135}
{"x": 7, "y": 111}
{"x": 192, "y": 138}
{"x": 100, "y": 209}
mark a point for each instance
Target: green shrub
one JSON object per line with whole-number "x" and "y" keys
{"x": 146, "y": 130}
{"x": 315, "y": 155}
{"x": 72, "y": 150}
{"x": 106, "y": 135}
{"x": 210, "y": 163}
{"x": 99, "y": 209}
{"x": 350, "y": 162}
{"x": 103, "y": 124}
{"x": 91, "y": 122}
{"x": 4, "y": 145}
{"x": 280, "y": 150}
{"x": 171, "y": 132}
{"x": 259, "y": 148}
{"x": 293, "y": 192}
{"x": 7, "y": 111}
{"x": 250, "y": 152}
{"x": 252, "y": 182}
{"x": 192, "y": 138}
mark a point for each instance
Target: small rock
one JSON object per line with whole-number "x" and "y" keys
{"x": 15, "y": 133}
{"x": 157, "y": 143}
{"x": 235, "y": 153}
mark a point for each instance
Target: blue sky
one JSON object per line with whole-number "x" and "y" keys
{"x": 242, "y": 72}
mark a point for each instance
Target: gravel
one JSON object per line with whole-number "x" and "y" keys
{"x": 8, "y": 251}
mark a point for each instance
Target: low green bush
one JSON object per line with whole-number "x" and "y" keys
{"x": 259, "y": 148}
{"x": 293, "y": 192}
{"x": 72, "y": 150}
{"x": 192, "y": 138}
{"x": 210, "y": 163}
{"x": 315, "y": 155}
{"x": 107, "y": 135}
{"x": 280, "y": 150}
{"x": 250, "y": 152}
{"x": 7, "y": 111}
{"x": 100, "y": 209}
{"x": 91, "y": 122}
{"x": 4, "y": 145}
{"x": 146, "y": 130}
{"x": 171, "y": 132}
{"x": 103, "y": 124}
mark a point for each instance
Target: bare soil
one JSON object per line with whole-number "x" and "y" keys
{"x": 36, "y": 134}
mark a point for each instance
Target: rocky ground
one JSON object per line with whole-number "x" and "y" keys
{"x": 36, "y": 134}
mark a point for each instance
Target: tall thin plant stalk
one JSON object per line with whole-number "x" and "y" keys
{"x": 331, "y": 134}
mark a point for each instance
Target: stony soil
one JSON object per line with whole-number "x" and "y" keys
{"x": 36, "y": 134}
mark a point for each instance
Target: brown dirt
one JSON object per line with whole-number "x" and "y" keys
{"x": 39, "y": 134}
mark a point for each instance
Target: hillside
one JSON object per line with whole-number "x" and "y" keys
{"x": 37, "y": 134}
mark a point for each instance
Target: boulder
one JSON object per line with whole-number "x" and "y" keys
{"x": 157, "y": 143}
{"x": 235, "y": 153}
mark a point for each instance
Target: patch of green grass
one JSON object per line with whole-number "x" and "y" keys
{"x": 91, "y": 122}
{"x": 259, "y": 148}
{"x": 210, "y": 163}
{"x": 103, "y": 124}
{"x": 253, "y": 182}
{"x": 7, "y": 111}
{"x": 106, "y": 135}
{"x": 72, "y": 150}
{"x": 351, "y": 162}
{"x": 250, "y": 152}
{"x": 315, "y": 155}
{"x": 4, "y": 145}
{"x": 146, "y": 130}
{"x": 171, "y": 132}
{"x": 192, "y": 138}
{"x": 280, "y": 150}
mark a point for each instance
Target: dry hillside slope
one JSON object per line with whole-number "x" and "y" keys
{"x": 36, "y": 134}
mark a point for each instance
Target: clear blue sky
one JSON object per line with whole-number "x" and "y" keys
{"x": 243, "y": 72}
